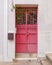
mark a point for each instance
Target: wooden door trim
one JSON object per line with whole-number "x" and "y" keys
{"x": 26, "y": 5}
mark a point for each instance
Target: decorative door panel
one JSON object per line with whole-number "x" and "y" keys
{"x": 32, "y": 38}
{"x": 32, "y": 28}
{"x": 26, "y": 29}
{"x": 32, "y": 48}
{"x": 20, "y": 29}
{"x": 21, "y": 38}
{"x": 21, "y": 48}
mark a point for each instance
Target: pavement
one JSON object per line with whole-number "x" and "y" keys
{"x": 32, "y": 62}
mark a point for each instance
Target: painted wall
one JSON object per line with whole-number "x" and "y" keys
{"x": 49, "y": 25}
{"x": 44, "y": 27}
{"x": 1, "y": 28}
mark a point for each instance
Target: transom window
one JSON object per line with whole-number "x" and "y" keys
{"x": 26, "y": 15}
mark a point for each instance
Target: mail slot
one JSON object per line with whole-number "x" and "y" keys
{"x": 10, "y": 36}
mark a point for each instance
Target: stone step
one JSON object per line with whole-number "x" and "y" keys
{"x": 45, "y": 62}
{"x": 25, "y": 55}
{"x": 49, "y": 57}
{"x": 24, "y": 59}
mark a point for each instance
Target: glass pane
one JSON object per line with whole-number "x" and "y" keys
{"x": 21, "y": 17}
{"x": 32, "y": 17}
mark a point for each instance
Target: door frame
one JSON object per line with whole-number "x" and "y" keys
{"x": 27, "y": 5}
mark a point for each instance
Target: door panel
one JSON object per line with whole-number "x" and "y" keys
{"x": 21, "y": 48}
{"x": 32, "y": 28}
{"x": 21, "y": 38}
{"x": 20, "y": 29}
{"x": 21, "y": 34}
{"x": 32, "y": 38}
{"x": 32, "y": 48}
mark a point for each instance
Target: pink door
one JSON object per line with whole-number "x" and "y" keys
{"x": 26, "y": 30}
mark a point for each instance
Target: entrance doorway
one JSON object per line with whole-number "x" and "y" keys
{"x": 26, "y": 29}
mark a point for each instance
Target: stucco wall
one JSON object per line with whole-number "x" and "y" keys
{"x": 1, "y": 28}
{"x": 44, "y": 27}
{"x": 11, "y": 24}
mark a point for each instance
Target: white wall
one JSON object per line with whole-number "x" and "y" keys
{"x": 43, "y": 35}
{"x": 44, "y": 27}
{"x": 11, "y": 24}
{"x": 1, "y": 28}
{"x": 49, "y": 25}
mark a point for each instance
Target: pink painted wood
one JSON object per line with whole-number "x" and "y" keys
{"x": 26, "y": 37}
